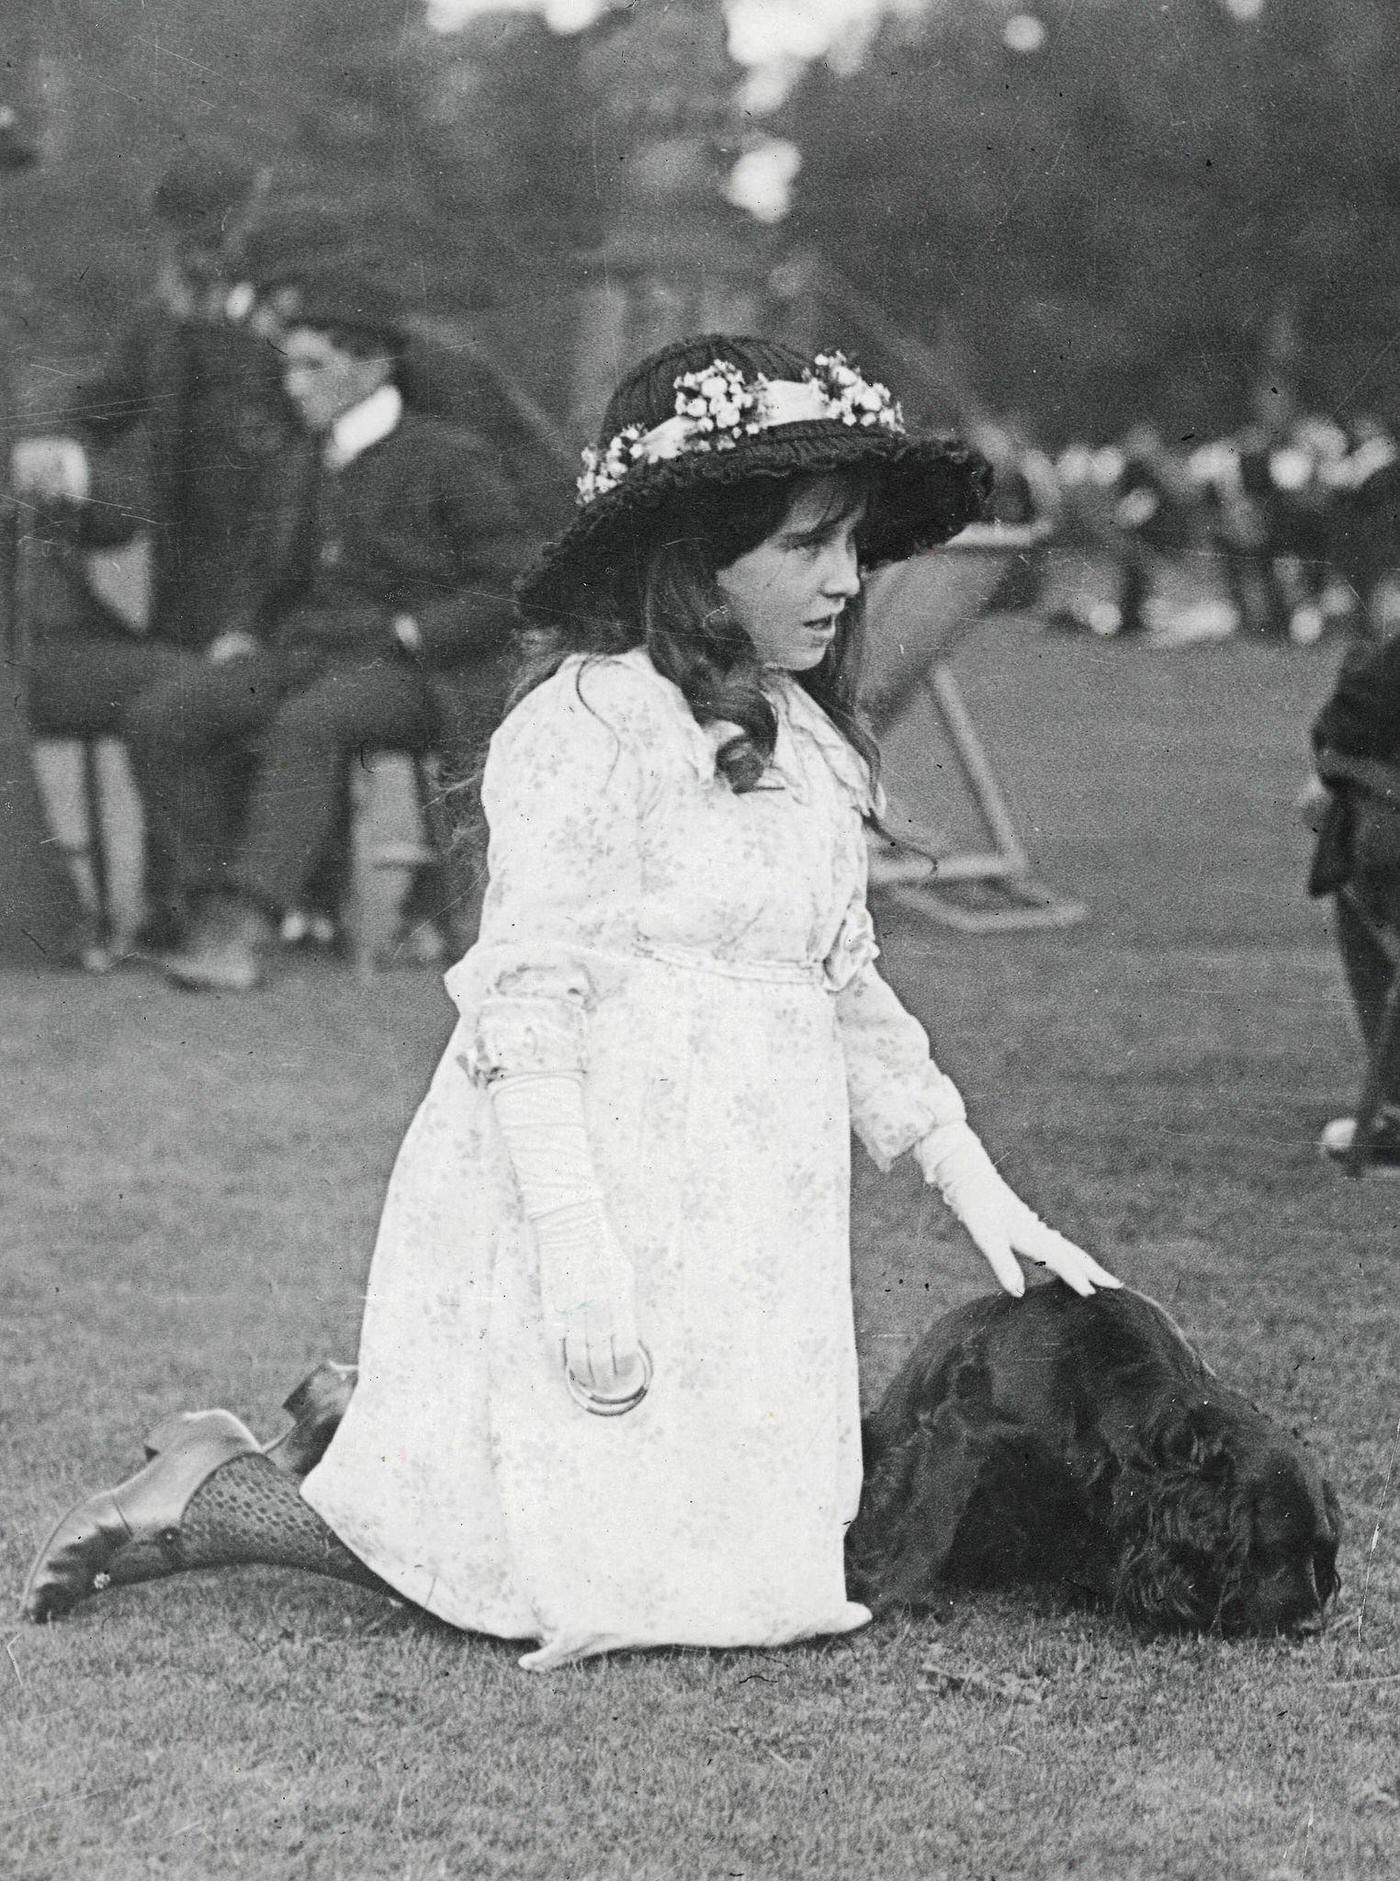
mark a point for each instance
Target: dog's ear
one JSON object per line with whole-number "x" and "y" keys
{"x": 914, "y": 1498}
{"x": 1329, "y": 1581}
{"x": 1182, "y": 1519}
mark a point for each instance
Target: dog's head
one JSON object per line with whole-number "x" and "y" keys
{"x": 1226, "y": 1524}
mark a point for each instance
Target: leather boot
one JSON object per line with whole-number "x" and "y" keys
{"x": 130, "y": 1533}
{"x": 315, "y": 1406}
{"x": 182, "y": 1426}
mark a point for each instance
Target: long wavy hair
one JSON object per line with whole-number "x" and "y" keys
{"x": 663, "y": 594}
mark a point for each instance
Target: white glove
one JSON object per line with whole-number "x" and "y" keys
{"x": 586, "y": 1282}
{"x": 50, "y": 470}
{"x": 999, "y": 1222}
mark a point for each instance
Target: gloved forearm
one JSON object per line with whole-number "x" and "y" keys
{"x": 587, "y": 1287}
{"x": 954, "y": 1160}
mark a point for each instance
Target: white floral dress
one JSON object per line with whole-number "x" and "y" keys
{"x": 705, "y": 959}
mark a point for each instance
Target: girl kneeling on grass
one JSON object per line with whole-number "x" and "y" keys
{"x": 607, "y": 1376}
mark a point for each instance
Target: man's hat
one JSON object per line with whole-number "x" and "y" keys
{"x": 293, "y": 240}
{"x": 726, "y": 410}
{"x": 200, "y": 193}
{"x": 346, "y": 300}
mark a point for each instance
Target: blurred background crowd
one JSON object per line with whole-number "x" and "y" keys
{"x": 1144, "y": 256}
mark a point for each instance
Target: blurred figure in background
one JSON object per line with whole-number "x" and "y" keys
{"x": 386, "y": 623}
{"x": 1087, "y": 479}
{"x": 440, "y": 374}
{"x": 175, "y": 438}
{"x": 1155, "y": 519}
{"x": 1025, "y": 498}
{"x": 1363, "y": 540}
{"x": 1354, "y": 806}
{"x": 1275, "y": 515}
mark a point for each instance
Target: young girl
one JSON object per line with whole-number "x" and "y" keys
{"x": 607, "y": 1376}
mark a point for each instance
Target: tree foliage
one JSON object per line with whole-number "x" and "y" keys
{"x": 1139, "y": 218}
{"x": 455, "y": 163}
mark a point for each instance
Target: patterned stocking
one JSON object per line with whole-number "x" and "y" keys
{"x": 250, "y": 1513}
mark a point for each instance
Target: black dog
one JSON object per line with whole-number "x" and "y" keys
{"x": 1084, "y": 1442}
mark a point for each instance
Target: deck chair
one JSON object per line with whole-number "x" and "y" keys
{"x": 920, "y": 611}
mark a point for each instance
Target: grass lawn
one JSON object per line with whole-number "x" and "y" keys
{"x": 191, "y": 1188}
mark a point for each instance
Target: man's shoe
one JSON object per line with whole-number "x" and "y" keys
{"x": 309, "y": 931}
{"x": 223, "y": 954}
{"x": 1334, "y": 1145}
{"x": 316, "y": 1407}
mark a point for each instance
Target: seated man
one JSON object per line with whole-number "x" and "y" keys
{"x": 390, "y": 552}
{"x": 174, "y": 436}
{"x": 1354, "y": 804}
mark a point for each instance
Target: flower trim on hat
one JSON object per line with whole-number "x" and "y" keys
{"x": 717, "y": 408}
{"x": 853, "y": 399}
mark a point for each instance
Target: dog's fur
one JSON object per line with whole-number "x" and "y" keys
{"x": 1084, "y": 1442}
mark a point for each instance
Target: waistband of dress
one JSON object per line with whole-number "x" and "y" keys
{"x": 785, "y": 972}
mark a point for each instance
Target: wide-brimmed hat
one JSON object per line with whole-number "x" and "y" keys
{"x": 725, "y": 410}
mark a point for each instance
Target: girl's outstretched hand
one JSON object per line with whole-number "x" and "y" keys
{"x": 953, "y": 1159}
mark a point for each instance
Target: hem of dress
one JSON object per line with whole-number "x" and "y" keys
{"x": 418, "y": 1586}
{"x": 568, "y": 1649}
{"x": 562, "y": 1648}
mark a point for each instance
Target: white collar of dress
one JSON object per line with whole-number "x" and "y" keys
{"x": 363, "y": 426}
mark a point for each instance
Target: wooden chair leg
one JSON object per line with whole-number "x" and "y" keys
{"x": 356, "y": 896}
{"x": 462, "y": 871}
{"x": 435, "y": 822}
{"x": 431, "y": 846}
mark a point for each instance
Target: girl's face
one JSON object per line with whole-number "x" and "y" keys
{"x": 788, "y": 594}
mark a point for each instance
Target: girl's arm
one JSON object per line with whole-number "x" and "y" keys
{"x": 562, "y": 793}
{"x": 901, "y": 1102}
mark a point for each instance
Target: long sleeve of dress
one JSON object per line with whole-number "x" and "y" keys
{"x": 562, "y": 792}
{"x": 895, "y": 1090}
{"x": 897, "y": 1093}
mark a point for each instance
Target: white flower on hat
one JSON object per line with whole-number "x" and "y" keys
{"x": 853, "y": 399}
{"x": 716, "y": 408}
